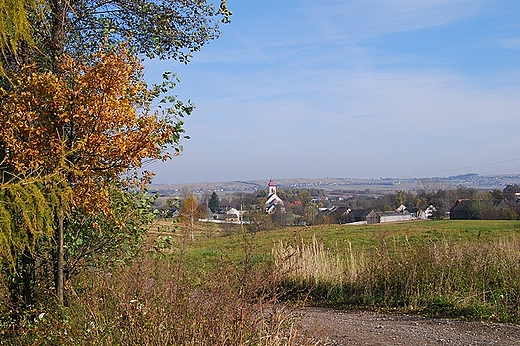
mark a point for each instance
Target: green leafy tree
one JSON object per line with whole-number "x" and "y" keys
{"x": 164, "y": 29}
{"x": 98, "y": 240}
{"x": 305, "y": 197}
{"x": 214, "y": 202}
{"x": 309, "y": 209}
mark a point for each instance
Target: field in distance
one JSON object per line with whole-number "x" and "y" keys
{"x": 352, "y": 184}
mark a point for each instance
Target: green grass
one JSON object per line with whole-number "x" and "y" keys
{"x": 225, "y": 290}
{"x": 363, "y": 237}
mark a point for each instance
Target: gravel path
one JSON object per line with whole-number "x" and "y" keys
{"x": 367, "y": 328}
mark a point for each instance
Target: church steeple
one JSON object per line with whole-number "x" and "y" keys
{"x": 272, "y": 188}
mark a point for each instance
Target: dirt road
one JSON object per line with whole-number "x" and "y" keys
{"x": 367, "y": 328}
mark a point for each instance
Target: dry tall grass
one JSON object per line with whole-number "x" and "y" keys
{"x": 476, "y": 279}
{"x": 311, "y": 262}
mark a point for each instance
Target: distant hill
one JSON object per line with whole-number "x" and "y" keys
{"x": 351, "y": 184}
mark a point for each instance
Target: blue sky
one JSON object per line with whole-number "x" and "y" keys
{"x": 361, "y": 89}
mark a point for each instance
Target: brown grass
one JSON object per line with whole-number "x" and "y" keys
{"x": 160, "y": 302}
{"x": 477, "y": 279}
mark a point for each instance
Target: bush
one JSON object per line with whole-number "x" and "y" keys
{"x": 160, "y": 302}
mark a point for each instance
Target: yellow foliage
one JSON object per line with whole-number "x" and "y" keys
{"x": 94, "y": 119}
{"x": 14, "y": 24}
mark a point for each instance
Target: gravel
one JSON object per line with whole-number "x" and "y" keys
{"x": 334, "y": 327}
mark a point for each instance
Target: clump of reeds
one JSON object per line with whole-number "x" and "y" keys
{"x": 312, "y": 263}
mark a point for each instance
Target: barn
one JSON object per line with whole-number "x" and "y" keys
{"x": 362, "y": 216}
{"x": 394, "y": 216}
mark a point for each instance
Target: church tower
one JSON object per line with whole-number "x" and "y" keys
{"x": 272, "y": 199}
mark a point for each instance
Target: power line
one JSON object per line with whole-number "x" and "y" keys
{"x": 503, "y": 171}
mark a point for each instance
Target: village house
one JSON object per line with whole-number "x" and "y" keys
{"x": 361, "y": 217}
{"x": 345, "y": 215}
{"x": 461, "y": 210}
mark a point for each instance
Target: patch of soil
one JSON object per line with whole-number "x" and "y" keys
{"x": 369, "y": 328}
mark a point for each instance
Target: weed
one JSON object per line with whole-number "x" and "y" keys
{"x": 159, "y": 301}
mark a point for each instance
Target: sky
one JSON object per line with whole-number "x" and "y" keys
{"x": 351, "y": 89}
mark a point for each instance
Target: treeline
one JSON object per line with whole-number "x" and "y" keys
{"x": 316, "y": 206}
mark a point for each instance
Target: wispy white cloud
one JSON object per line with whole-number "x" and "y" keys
{"x": 511, "y": 43}
{"x": 359, "y": 19}
{"x": 370, "y": 115}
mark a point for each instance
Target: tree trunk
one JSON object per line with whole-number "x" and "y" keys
{"x": 192, "y": 230}
{"x": 21, "y": 288}
{"x": 59, "y": 269}
{"x": 58, "y": 23}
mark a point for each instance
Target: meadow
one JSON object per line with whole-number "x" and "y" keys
{"x": 233, "y": 287}
{"x": 211, "y": 242}
{"x": 463, "y": 269}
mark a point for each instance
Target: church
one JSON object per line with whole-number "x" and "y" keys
{"x": 272, "y": 199}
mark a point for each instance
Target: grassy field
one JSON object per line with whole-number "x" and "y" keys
{"x": 465, "y": 269}
{"x": 232, "y": 287}
{"x": 210, "y": 245}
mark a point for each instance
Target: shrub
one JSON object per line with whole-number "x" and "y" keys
{"x": 160, "y": 302}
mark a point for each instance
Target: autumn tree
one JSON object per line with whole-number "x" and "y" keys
{"x": 190, "y": 212}
{"x": 164, "y": 29}
{"x": 83, "y": 113}
{"x": 96, "y": 122}
{"x": 27, "y": 219}
{"x": 202, "y": 211}
{"x": 90, "y": 125}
